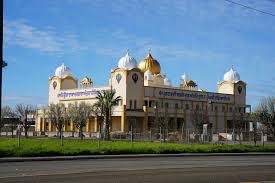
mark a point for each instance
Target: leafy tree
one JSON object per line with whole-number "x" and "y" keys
{"x": 105, "y": 103}
{"x": 23, "y": 112}
{"x": 265, "y": 113}
{"x": 8, "y": 113}
{"x": 79, "y": 115}
{"x": 57, "y": 115}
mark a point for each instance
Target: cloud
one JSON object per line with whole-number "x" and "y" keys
{"x": 43, "y": 40}
{"x": 34, "y": 100}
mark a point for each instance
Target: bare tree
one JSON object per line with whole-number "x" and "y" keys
{"x": 197, "y": 119}
{"x": 79, "y": 115}
{"x": 24, "y": 112}
{"x": 265, "y": 113}
{"x": 8, "y": 117}
{"x": 57, "y": 115}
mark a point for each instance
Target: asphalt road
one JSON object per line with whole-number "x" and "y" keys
{"x": 172, "y": 169}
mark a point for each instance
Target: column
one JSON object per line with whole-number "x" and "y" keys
{"x": 145, "y": 119}
{"x": 175, "y": 119}
{"x": 123, "y": 119}
{"x": 88, "y": 125}
{"x": 95, "y": 124}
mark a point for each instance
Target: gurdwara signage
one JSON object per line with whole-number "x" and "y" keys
{"x": 80, "y": 94}
{"x": 190, "y": 95}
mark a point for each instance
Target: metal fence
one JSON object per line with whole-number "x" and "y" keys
{"x": 185, "y": 135}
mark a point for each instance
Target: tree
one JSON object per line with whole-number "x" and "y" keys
{"x": 106, "y": 101}
{"x": 265, "y": 112}
{"x": 23, "y": 112}
{"x": 79, "y": 115}
{"x": 57, "y": 115}
{"x": 8, "y": 116}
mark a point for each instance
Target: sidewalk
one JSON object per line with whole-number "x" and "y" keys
{"x": 63, "y": 158}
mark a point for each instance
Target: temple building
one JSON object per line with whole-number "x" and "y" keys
{"x": 149, "y": 99}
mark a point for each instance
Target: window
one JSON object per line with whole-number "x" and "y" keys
{"x": 135, "y": 104}
{"x": 186, "y": 106}
{"x": 197, "y": 107}
{"x": 166, "y": 105}
{"x": 157, "y": 104}
{"x": 150, "y": 103}
{"x": 216, "y": 108}
{"x": 161, "y": 104}
{"x": 230, "y": 109}
{"x": 130, "y": 104}
{"x": 223, "y": 108}
{"x": 146, "y": 103}
{"x": 176, "y": 105}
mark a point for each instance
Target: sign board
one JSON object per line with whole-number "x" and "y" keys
{"x": 188, "y": 95}
{"x": 80, "y": 94}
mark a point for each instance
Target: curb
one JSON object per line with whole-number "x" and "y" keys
{"x": 83, "y": 157}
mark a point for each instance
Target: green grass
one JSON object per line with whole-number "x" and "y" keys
{"x": 52, "y": 147}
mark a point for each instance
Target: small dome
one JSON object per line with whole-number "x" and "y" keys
{"x": 167, "y": 82}
{"x": 184, "y": 78}
{"x": 149, "y": 63}
{"x": 86, "y": 81}
{"x": 63, "y": 71}
{"x": 127, "y": 62}
{"x": 148, "y": 75}
{"x": 231, "y": 76}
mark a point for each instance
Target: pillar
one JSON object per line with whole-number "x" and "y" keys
{"x": 95, "y": 124}
{"x": 88, "y": 125}
{"x": 175, "y": 119}
{"x": 145, "y": 119}
{"x": 72, "y": 125}
{"x": 123, "y": 119}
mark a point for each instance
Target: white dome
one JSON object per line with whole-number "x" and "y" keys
{"x": 148, "y": 75}
{"x": 127, "y": 62}
{"x": 63, "y": 71}
{"x": 184, "y": 78}
{"x": 231, "y": 76}
{"x": 166, "y": 82}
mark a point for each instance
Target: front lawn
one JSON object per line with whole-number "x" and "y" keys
{"x": 52, "y": 147}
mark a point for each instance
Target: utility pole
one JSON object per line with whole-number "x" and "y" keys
{"x": 2, "y": 63}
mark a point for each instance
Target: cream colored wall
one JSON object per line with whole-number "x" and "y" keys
{"x": 119, "y": 87}
{"x": 68, "y": 84}
{"x": 240, "y": 98}
{"x": 135, "y": 91}
{"x": 226, "y": 87}
{"x": 116, "y": 123}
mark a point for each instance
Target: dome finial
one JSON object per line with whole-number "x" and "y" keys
{"x": 149, "y": 51}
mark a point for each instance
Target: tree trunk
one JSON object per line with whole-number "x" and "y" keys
{"x": 26, "y": 132}
{"x": 81, "y": 133}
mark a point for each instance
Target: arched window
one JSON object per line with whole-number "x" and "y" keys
{"x": 197, "y": 107}
{"x": 186, "y": 106}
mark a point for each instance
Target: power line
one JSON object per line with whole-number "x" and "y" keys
{"x": 251, "y": 8}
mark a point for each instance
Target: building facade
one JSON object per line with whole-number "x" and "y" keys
{"x": 149, "y": 100}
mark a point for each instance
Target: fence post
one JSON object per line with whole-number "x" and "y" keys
{"x": 99, "y": 137}
{"x": 131, "y": 136}
{"x": 182, "y": 133}
{"x": 160, "y": 136}
{"x": 150, "y": 135}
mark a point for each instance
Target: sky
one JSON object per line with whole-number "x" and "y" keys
{"x": 200, "y": 38}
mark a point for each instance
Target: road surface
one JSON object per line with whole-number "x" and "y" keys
{"x": 164, "y": 169}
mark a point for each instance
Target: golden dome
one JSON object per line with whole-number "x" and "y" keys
{"x": 149, "y": 63}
